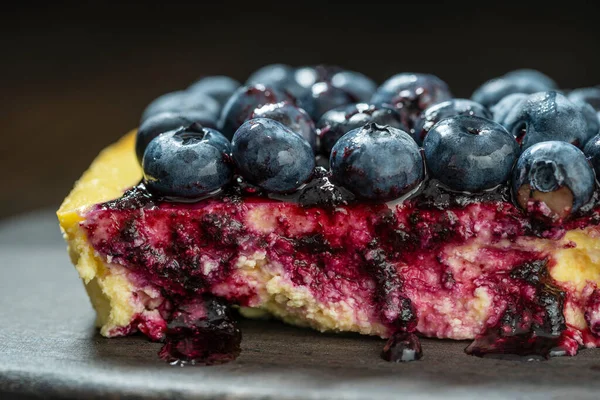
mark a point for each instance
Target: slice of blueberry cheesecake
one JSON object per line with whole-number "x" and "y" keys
{"x": 314, "y": 196}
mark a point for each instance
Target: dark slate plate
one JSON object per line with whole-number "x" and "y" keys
{"x": 49, "y": 347}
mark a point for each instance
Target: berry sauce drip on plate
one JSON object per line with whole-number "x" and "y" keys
{"x": 416, "y": 168}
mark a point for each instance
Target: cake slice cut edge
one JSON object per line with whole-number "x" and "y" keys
{"x": 123, "y": 305}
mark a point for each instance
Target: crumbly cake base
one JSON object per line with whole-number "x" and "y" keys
{"x": 124, "y": 304}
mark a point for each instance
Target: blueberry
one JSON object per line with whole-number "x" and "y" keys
{"x": 588, "y": 99}
{"x": 532, "y": 75}
{"x": 592, "y": 152}
{"x": 271, "y": 156}
{"x": 502, "y": 109}
{"x": 278, "y": 76}
{"x": 589, "y": 95}
{"x": 526, "y": 81}
{"x": 556, "y": 174}
{"x": 187, "y": 163}
{"x": 337, "y": 122}
{"x": 308, "y": 76}
{"x": 449, "y": 108}
{"x": 181, "y": 101}
{"x": 358, "y": 85}
{"x": 411, "y": 94}
{"x": 243, "y": 102}
{"x": 167, "y": 121}
{"x": 377, "y": 162}
{"x": 218, "y": 87}
{"x": 322, "y": 97}
{"x": 547, "y": 116}
{"x": 469, "y": 153}
{"x": 593, "y": 123}
{"x": 291, "y": 116}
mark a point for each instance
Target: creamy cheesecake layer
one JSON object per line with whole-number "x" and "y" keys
{"x": 125, "y": 302}
{"x": 115, "y": 294}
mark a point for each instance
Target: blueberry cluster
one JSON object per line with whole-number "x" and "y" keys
{"x": 378, "y": 143}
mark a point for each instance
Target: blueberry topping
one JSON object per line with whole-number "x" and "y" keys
{"x": 450, "y": 108}
{"x": 377, "y": 162}
{"x": 291, "y": 116}
{"x": 470, "y": 153}
{"x": 278, "y": 76}
{"x": 547, "y": 116}
{"x": 556, "y": 174}
{"x": 588, "y": 99}
{"x": 592, "y": 152}
{"x": 358, "y": 85}
{"x": 308, "y": 76}
{"x": 181, "y": 101}
{"x": 589, "y": 95}
{"x": 411, "y": 94}
{"x": 593, "y": 123}
{"x": 337, "y": 122}
{"x": 322, "y": 97}
{"x": 188, "y": 163}
{"x": 218, "y": 87}
{"x": 168, "y": 121}
{"x": 502, "y": 109}
{"x": 520, "y": 81}
{"x": 532, "y": 75}
{"x": 271, "y": 156}
{"x": 242, "y": 104}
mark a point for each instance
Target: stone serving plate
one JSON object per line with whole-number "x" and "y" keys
{"x": 49, "y": 348}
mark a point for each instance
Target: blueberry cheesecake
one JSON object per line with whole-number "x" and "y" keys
{"x": 313, "y": 196}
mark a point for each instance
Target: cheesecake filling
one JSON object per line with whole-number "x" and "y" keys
{"x": 438, "y": 265}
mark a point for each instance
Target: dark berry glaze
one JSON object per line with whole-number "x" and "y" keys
{"x": 202, "y": 330}
{"x": 406, "y": 269}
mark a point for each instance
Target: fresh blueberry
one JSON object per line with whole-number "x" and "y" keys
{"x": 556, "y": 174}
{"x": 532, "y": 75}
{"x": 322, "y": 97}
{"x": 243, "y": 102}
{"x": 593, "y": 123}
{"x": 167, "y": 121}
{"x": 337, "y": 122}
{"x": 589, "y": 101}
{"x": 411, "y": 94}
{"x": 271, "y": 156}
{"x": 589, "y": 95}
{"x": 291, "y": 116}
{"x": 358, "y": 85}
{"x": 218, "y": 87}
{"x": 187, "y": 163}
{"x": 449, "y": 108}
{"x": 469, "y": 153}
{"x": 181, "y": 101}
{"x": 592, "y": 152}
{"x": 526, "y": 81}
{"x": 502, "y": 109}
{"x": 377, "y": 162}
{"x": 547, "y": 116}
{"x": 278, "y": 76}
{"x": 308, "y": 76}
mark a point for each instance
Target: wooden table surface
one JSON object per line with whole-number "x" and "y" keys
{"x": 50, "y": 348}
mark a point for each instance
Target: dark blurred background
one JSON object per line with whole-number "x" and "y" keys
{"x": 75, "y": 77}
